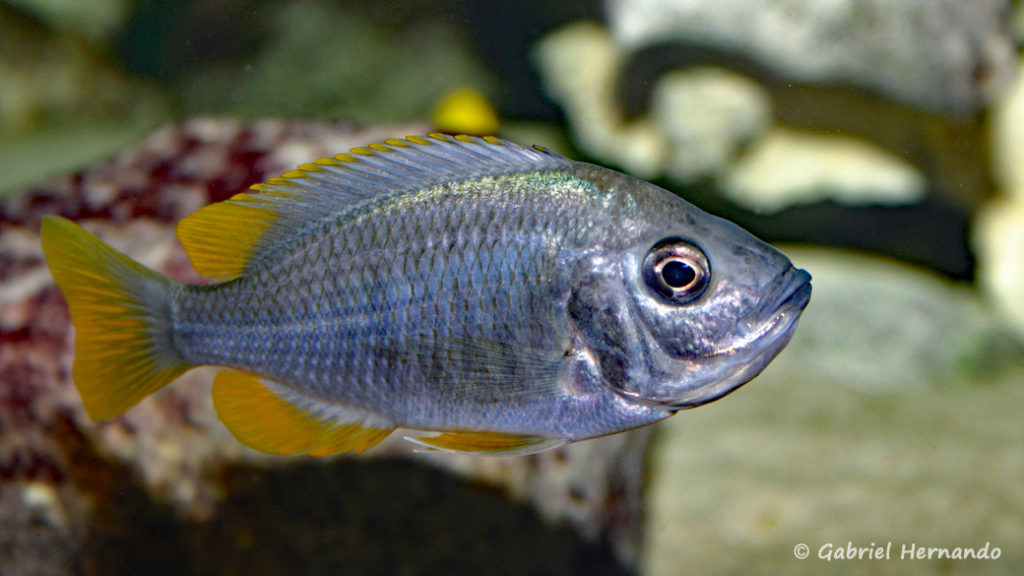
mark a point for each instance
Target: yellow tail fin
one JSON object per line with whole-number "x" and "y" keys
{"x": 120, "y": 310}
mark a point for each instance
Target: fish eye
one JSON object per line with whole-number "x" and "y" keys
{"x": 677, "y": 271}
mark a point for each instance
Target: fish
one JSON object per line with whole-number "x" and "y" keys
{"x": 487, "y": 297}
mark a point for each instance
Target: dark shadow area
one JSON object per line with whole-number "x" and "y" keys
{"x": 506, "y": 32}
{"x": 345, "y": 517}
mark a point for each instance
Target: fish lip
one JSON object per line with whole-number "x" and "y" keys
{"x": 799, "y": 290}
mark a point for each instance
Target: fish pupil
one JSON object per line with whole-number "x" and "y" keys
{"x": 677, "y": 274}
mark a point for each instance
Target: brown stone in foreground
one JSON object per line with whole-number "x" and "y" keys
{"x": 166, "y": 489}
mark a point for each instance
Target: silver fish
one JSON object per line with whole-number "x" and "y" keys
{"x": 503, "y": 297}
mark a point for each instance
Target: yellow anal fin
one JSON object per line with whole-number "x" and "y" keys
{"x": 264, "y": 421}
{"x": 496, "y": 443}
{"x": 349, "y": 438}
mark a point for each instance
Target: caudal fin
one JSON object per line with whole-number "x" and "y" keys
{"x": 121, "y": 311}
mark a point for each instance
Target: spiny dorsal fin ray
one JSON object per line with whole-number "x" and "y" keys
{"x": 224, "y": 239}
{"x": 257, "y": 415}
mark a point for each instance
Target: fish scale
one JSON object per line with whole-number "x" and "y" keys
{"x": 503, "y": 297}
{"x": 415, "y": 284}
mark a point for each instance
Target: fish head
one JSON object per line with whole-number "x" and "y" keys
{"x": 681, "y": 307}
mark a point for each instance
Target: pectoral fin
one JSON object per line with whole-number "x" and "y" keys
{"x": 483, "y": 371}
{"x": 260, "y": 417}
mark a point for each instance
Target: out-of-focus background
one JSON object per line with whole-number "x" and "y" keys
{"x": 880, "y": 143}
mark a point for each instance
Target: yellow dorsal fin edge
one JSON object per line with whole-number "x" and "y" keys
{"x": 221, "y": 238}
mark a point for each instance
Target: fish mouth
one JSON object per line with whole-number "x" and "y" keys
{"x": 781, "y": 317}
{"x": 748, "y": 357}
{"x": 795, "y": 292}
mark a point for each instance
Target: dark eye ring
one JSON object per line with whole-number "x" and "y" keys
{"x": 677, "y": 271}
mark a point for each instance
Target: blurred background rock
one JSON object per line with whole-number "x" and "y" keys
{"x": 882, "y": 140}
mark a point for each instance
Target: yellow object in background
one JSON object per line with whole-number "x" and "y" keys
{"x": 466, "y": 111}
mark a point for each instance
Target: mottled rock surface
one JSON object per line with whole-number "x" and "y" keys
{"x": 909, "y": 80}
{"x": 944, "y": 55}
{"x": 708, "y": 124}
{"x": 166, "y": 485}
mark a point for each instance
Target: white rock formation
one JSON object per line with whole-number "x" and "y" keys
{"x": 788, "y": 167}
{"x": 998, "y": 238}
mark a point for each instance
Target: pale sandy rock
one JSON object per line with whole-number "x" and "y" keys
{"x": 999, "y": 245}
{"x": 707, "y": 115}
{"x": 689, "y": 128}
{"x": 580, "y": 65}
{"x": 793, "y": 459}
{"x": 1008, "y": 136}
{"x": 788, "y": 167}
{"x": 998, "y": 232}
{"x": 698, "y": 120}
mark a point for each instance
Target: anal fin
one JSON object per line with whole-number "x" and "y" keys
{"x": 264, "y": 421}
{"x": 495, "y": 443}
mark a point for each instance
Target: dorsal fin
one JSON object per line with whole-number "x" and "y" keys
{"x": 224, "y": 239}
